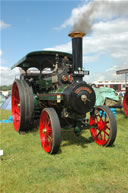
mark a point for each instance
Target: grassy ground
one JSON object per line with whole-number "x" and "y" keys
{"x": 81, "y": 166}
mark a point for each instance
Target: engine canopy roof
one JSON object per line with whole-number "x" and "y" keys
{"x": 41, "y": 60}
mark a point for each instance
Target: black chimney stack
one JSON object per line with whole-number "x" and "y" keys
{"x": 77, "y": 53}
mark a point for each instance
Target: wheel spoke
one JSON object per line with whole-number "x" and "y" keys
{"x": 16, "y": 101}
{"x": 106, "y": 136}
{"x": 107, "y": 127}
{"x": 16, "y": 94}
{"x": 49, "y": 123}
{"x": 105, "y": 132}
{"x": 17, "y": 111}
{"x": 49, "y": 139}
{"x": 97, "y": 119}
{"x": 47, "y": 143}
{"x": 98, "y": 134}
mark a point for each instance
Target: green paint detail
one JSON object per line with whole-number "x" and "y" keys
{"x": 79, "y": 117}
{"x": 50, "y": 97}
{"x": 36, "y": 101}
{"x": 25, "y": 65}
{"x": 44, "y": 83}
{"x": 78, "y": 128}
{"x": 61, "y": 89}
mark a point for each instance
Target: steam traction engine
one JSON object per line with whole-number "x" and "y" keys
{"x": 57, "y": 95}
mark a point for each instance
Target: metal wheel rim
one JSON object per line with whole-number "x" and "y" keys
{"x": 16, "y": 106}
{"x": 101, "y": 133}
{"x": 46, "y": 135}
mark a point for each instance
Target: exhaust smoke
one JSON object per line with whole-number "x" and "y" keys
{"x": 98, "y": 10}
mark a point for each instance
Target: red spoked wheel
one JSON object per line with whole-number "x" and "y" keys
{"x": 22, "y": 106}
{"x": 125, "y": 104}
{"x": 104, "y": 126}
{"x": 50, "y": 131}
{"x": 15, "y": 106}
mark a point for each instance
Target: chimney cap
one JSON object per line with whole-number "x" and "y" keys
{"x": 76, "y": 34}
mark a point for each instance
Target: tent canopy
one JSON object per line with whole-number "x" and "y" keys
{"x": 6, "y": 104}
{"x": 2, "y": 99}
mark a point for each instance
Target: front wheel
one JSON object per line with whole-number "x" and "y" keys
{"x": 50, "y": 131}
{"x": 104, "y": 128}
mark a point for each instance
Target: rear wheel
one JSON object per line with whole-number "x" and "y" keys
{"x": 50, "y": 131}
{"x": 125, "y": 104}
{"x": 22, "y": 106}
{"x": 104, "y": 126}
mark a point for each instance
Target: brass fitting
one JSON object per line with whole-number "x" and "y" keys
{"x": 84, "y": 98}
{"x": 76, "y": 34}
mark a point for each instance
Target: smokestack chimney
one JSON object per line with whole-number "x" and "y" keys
{"x": 77, "y": 52}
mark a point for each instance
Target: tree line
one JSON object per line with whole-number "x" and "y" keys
{"x": 5, "y": 87}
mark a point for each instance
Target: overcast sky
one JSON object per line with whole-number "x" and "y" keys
{"x": 27, "y": 26}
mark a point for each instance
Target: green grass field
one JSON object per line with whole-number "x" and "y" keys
{"x": 81, "y": 166}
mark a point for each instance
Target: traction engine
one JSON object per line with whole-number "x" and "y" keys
{"x": 57, "y": 96}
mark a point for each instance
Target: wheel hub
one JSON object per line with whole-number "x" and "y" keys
{"x": 44, "y": 131}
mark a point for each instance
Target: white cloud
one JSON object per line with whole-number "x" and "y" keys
{"x": 2, "y": 61}
{"x": 108, "y": 74}
{"x": 7, "y": 76}
{"x": 63, "y": 47}
{"x": 1, "y": 53}
{"x": 3, "y": 25}
{"x": 108, "y": 37}
{"x": 87, "y": 59}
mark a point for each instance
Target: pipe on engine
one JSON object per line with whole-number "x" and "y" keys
{"x": 77, "y": 52}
